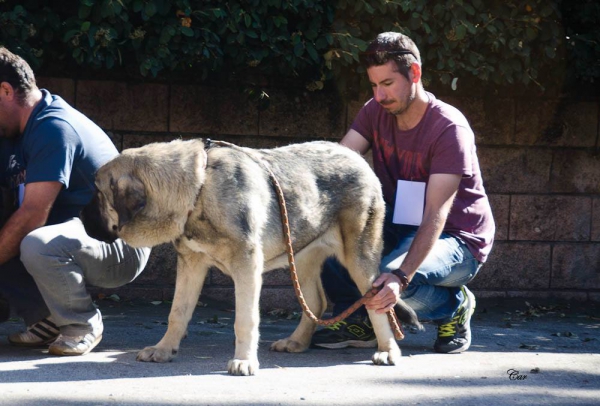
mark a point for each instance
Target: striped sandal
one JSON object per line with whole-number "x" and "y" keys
{"x": 40, "y": 334}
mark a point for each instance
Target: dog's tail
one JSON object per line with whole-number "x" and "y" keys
{"x": 407, "y": 315}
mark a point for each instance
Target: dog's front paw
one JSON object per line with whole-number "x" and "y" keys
{"x": 156, "y": 354}
{"x": 391, "y": 357}
{"x": 242, "y": 367}
{"x": 288, "y": 345}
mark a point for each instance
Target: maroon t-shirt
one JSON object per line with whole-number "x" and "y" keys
{"x": 442, "y": 142}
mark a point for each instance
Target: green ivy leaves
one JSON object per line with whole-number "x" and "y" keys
{"x": 505, "y": 42}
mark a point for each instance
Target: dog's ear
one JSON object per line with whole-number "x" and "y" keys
{"x": 129, "y": 198}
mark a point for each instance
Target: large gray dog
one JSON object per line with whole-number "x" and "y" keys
{"x": 217, "y": 205}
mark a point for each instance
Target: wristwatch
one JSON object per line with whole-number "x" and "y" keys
{"x": 402, "y": 276}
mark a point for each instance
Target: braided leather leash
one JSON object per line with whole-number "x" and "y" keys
{"x": 393, "y": 319}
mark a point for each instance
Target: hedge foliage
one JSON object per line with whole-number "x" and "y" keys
{"x": 497, "y": 41}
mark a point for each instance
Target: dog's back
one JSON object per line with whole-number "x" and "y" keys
{"x": 327, "y": 185}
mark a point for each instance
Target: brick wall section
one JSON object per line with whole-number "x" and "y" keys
{"x": 539, "y": 159}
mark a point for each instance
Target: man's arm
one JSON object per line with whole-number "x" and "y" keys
{"x": 354, "y": 140}
{"x": 441, "y": 191}
{"x": 33, "y": 213}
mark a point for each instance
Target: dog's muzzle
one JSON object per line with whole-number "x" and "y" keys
{"x": 94, "y": 224}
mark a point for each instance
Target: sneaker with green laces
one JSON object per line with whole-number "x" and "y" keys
{"x": 357, "y": 333}
{"x": 455, "y": 336}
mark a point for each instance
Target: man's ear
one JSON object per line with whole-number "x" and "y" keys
{"x": 415, "y": 71}
{"x": 129, "y": 198}
{"x": 6, "y": 90}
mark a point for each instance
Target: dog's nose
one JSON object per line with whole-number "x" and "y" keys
{"x": 98, "y": 232}
{"x": 94, "y": 225}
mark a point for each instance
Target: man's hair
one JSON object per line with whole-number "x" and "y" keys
{"x": 391, "y": 46}
{"x": 15, "y": 71}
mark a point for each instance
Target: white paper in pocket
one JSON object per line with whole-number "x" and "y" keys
{"x": 410, "y": 201}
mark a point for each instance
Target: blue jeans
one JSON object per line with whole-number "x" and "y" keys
{"x": 434, "y": 292}
{"x": 59, "y": 261}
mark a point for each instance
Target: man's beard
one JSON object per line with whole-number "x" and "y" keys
{"x": 410, "y": 98}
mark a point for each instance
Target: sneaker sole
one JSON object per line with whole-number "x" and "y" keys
{"x": 472, "y": 305}
{"x": 69, "y": 352}
{"x": 351, "y": 343}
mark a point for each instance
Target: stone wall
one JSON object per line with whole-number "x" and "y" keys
{"x": 539, "y": 159}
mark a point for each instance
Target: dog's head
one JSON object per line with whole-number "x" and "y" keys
{"x": 120, "y": 196}
{"x": 145, "y": 195}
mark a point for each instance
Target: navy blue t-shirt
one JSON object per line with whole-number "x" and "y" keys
{"x": 58, "y": 144}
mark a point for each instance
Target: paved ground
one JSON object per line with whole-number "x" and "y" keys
{"x": 552, "y": 349}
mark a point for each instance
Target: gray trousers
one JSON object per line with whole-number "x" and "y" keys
{"x": 63, "y": 259}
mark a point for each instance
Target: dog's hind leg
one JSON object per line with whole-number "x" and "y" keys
{"x": 388, "y": 352}
{"x": 361, "y": 255}
{"x": 309, "y": 275}
{"x": 191, "y": 272}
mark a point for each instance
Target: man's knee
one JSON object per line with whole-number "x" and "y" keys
{"x": 31, "y": 246}
{"x": 38, "y": 248}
